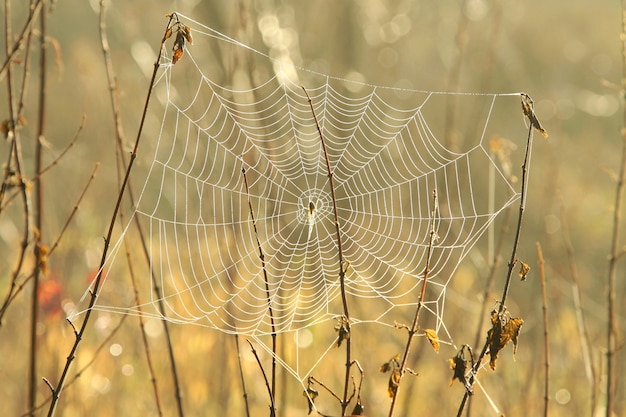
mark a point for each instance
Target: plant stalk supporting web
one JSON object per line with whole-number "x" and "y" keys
{"x": 56, "y": 391}
{"x": 420, "y": 302}
{"x": 120, "y": 140}
{"x": 513, "y": 259}
{"x": 272, "y": 389}
{"x": 342, "y": 272}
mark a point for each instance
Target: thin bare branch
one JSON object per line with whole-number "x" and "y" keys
{"x": 17, "y": 45}
{"x": 342, "y": 271}
{"x": 98, "y": 280}
{"x": 513, "y": 258}
{"x": 420, "y": 302}
{"x": 267, "y": 293}
{"x": 267, "y": 384}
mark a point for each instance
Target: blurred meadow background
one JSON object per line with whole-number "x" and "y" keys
{"x": 567, "y": 55}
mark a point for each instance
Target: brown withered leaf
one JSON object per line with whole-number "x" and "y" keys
{"x": 433, "y": 338}
{"x": 527, "y": 107}
{"x": 343, "y": 331}
{"x": 394, "y": 382}
{"x": 187, "y": 33}
{"x": 392, "y": 363}
{"x": 504, "y": 329}
{"x": 179, "y": 46}
{"x": 524, "y": 269}
{"x": 168, "y": 34}
{"x": 513, "y": 327}
{"x": 459, "y": 366}
{"x": 311, "y": 395}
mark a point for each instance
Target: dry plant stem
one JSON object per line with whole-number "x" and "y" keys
{"x": 614, "y": 255}
{"x": 144, "y": 336}
{"x": 161, "y": 306}
{"x": 15, "y": 155}
{"x": 38, "y": 205}
{"x": 267, "y": 294}
{"x": 485, "y": 299}
{"x": 420, "y": 302}
{"x": 26, "y": 72}
{"x": 21, "y": 285}
{"x": 546, "y": 345}
{"x": 342, "y": 272}
{"x": 512, "y": 261}
{"x": 321, "y": 384}
{"x": 119, "y": 150}
{"x": 96, "y": 286}
{"x": 105, "y": 344}
{"x": 241, "y": 376}
{"x": 17, "y": 44}
{"x": 267, "y": 384}
{"x": 4, "y": 203}
{"x": 64, "y": 151}
{"x": 585, "y": 339}
{"x": 518, "y": 230}
{"x": 492, "y": 275}
{"x": 75, "y": 209}
{"x": 110, "y": 74}
{"x": 120, "y": 145}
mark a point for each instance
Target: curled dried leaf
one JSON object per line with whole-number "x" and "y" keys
{"x": 504, "y": 329}
{"x": 179, "y": 47}
{"x": 187, "y": 33}
{"x": 524, "y": 269}
{"x": 433, "y": 338}
{"x": 458, "y": 366}
{"x": 392, "y": 363}
{"x": 527, "y": 107}
{"x": 394, "y": 382}
{"x": 343, "y": 331}
{"x": 513, "y": 327}
{"x": 168, "y": 34}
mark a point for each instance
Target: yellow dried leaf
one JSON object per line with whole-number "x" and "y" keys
{"x": 392, "y": 363}
{"x": 394, "y": 382}
{"x": 513, "y": 328}
{"x": 524, "y": 269}
{"x": 187, "y": 32}
{"x": 504, "y": 329}
{"x": 527, "y": 107}
{"x": 433, "y": 338}
{"x": 168, "y": 34}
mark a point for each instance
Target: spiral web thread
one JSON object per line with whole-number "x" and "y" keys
{"x": 387, "y": 157}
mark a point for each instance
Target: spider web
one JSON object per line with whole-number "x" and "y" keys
{"x": 389, "y": 151}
